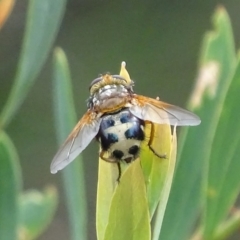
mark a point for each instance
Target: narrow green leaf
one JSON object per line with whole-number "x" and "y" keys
{"x": 166, "y": 188}
{"x": 65, "y": 118}
{"x": 155, "y": 168}
{"x": 10, "y": 182}
{"x": 224, "y": 168}
{"x": 107, "y": 181}
{"x": 227, "y": 228}
{"x": 36, "y": 212}
{"x": 129, "y": 216}
{"x": 43, "y": 21}
{"x": 216, "y": 68}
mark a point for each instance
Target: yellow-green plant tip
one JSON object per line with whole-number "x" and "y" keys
{"x": 124, "y": 73}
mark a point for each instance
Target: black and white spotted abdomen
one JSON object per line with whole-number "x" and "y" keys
{"x": 121, "y": 134}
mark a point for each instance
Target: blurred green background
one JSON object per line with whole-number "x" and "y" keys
{"x": 159, "y": 40}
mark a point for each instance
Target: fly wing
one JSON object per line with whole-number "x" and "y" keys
{"x": 150, "y": 109}
{"x": 86, "y": 129}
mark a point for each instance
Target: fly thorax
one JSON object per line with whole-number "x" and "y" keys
{"x": 121, "y": 135}
{"x": 110, "y": 97}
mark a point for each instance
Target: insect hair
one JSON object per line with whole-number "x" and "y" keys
{"x": 110, "y": 80}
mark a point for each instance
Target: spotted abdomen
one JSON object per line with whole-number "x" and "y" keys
{"x": 121, "y": 134}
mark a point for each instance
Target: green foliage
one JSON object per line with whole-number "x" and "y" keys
{"x": 26, "y": 215}
{"x": 166, "y": 188}
{"x": 224, "y": 166}
{"x": 206, "y": 174}
{"x": 209, "y": 151}
{"x": 36, "y": 212}
{"x": 107, "y": 175}
{"x": 206, "y": 181}
{"x": 65, "y": 118}
{"x": 129, "y": 216}
{"x": 10, "y": 184}
{"x": 43, "y": 20}
{"x": 155, "y": 169}
{"x": 140, "y": 190}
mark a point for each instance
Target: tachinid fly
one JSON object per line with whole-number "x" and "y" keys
{"x": 116, "y": 116}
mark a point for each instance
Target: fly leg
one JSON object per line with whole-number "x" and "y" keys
{"x": 110, "y": 160}
{"x": 164, "y": 156}
{"x": 119, "y": 172}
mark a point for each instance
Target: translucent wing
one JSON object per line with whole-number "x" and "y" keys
{"x": 160, "y": 112}
{"x": 86, "y": 129}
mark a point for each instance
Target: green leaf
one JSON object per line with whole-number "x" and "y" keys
{"x": 157, "y": 180}
{"x": 227, "y": 228}
{"x": 155, "y": 168}
{"x": 216, "y": 68}
{"x": 107, "y": 181}
{"x": 43, "y": 21}
{"x": 10, "y": 182}
{"x": 65, "y": 118}
{"x": 224, "y": 167}
{"x": 36, "y": 212}
{"x": 166, "y": 188}
{"x": 129, "y": 216}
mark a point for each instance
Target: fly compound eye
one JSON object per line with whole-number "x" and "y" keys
{"x": 119, "y": 78}
{"x": 96, "y": 80}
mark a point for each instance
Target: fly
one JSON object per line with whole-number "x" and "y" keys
{"x": 116, "y": 117}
